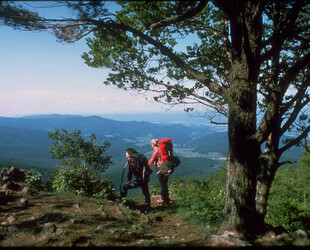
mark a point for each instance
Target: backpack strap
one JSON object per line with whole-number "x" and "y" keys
{"x": 161, "y": 156}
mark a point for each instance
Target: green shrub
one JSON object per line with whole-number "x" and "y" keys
{"x": 202, "y": 200}
{"x": 104, "y": 190}
{"x": 81, "y": 165}
{"x": 154, "y": 188}
{"x": 79, "y": 181}
{"x": 289, "y": 199}
{"x": 33, "y": 180}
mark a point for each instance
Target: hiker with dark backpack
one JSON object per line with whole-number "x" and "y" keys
{"x": 138, "y": 166}
{"x": 164, "y": 160}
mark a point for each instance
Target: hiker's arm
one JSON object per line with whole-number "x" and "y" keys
{"x": 129, "y": 175}
{"x": 154, "y": 156}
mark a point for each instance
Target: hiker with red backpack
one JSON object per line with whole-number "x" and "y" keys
{"x": 162, "y": 158}
{"x": 138, "y": 166}
{"x": 156, "y": 156}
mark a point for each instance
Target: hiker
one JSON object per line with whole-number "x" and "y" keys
{"x": 163, "y": 179}
{"x": 156, "y": 156}
{"x": 138, "y": 166}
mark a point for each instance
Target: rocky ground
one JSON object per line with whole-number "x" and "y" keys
{"x": 69, "y": 220}
{"x": 53, "y": 220}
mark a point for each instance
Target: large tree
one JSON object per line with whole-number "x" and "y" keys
{"x": 247, "y": 60}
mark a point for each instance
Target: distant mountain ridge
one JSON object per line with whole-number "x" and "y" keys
{"x": 23, "y": 130}
{"x": 96, "y": 125}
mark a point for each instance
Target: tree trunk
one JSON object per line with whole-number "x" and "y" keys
{"x": 266, "y": 174}
{"x": 264, "y": 181}
{"x": 244, "y": 151}
{"x": 240, "y": 208}
{"x": 242, "y": 166}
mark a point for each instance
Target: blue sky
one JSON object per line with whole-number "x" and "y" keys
{"x": 39, "y": 75}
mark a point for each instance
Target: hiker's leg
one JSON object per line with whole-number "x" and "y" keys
{"x": 166, "y": 192}
{"x": 163, "y": 180}
{"x": 124, "y": 191}
{"x": 146, "y": 192}
{"x": 159, "y": 176}
{"x": 128, "y": 186}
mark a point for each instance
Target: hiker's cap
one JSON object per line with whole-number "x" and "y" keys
{"x": 155, "y": 142}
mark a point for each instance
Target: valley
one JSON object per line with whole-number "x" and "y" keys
{"x": 201, "y": 148}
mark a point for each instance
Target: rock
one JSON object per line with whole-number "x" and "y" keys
{"x": 119, "y": 211}
{"x": 7, "y": 191}
{"x": 18, "y": 175}
{"x": 146, "y": 243}
{"x": 12, "y": 186}
{"x": 48, "y": 228}
{"x": 300, "y": 238}
{"x": 12, "y": 174}
{"x": 26, "y": 190}
{"x": 226, "y": 240}
{"x": 78, "y": 206}
{"x": 60, "y": 231}
{"x": 106, "y": 216}
{"x": 23, "y": 202}
{"x": 296, "y": 238}
{"x": 4, "y": 179}
{"x": 10, "y": 179}
{"x": 301, "y": 233}
{"x": 11, "y": 219}
{"x": 100, "y": 228}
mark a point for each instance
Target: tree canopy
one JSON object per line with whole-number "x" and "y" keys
{"x": 81, "y": 164}
{"x": 73, "y": 151}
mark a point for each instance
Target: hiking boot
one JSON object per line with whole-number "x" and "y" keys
{"x": 160, "y": 201}
{"x": 166, "y": 204}
{"x": 146, "y": 208}
{"x": 123, "y": 194}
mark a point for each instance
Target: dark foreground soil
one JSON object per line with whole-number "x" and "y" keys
{"x": 42, "y": 220}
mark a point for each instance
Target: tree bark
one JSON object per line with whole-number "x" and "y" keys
{"x": 267, "y": 172}
{"x": 264, "y": 181}
{"x": 240, "y": 207}
{"x": 244, "y": 150}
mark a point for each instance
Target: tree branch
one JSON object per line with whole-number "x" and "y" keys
{"x": 214, "y": 87}
{"x": 198, "y": 98}
{"x": 179, "y": 18}
{"x": 295, "y": 141}
{"x": 282, "y": 31}
{"x": 293, "y": 71}
{"x": 291, "y": 74}
{"x": 297, "y": 108}
{"x": 286, "y": 162}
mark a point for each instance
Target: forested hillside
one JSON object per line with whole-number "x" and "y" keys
{"x": 202, "y": 149}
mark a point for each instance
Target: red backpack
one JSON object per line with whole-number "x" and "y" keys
{"x": 166, "y": 149}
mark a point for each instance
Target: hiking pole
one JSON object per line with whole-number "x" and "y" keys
{"x": 120, "y": 188}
